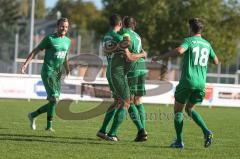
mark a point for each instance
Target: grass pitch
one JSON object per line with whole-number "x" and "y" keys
{"x": 76, "y": 139}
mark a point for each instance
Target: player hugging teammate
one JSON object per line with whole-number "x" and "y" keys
{"x": 125, "y": 65}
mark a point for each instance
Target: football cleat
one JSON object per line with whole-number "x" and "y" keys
{"x": 112, "y": 138}
{"x": 32, "y": 121}
{"x": 50, "y": 129}
{"x": 208, "y": 139}
{"x": 177, "y": 144}
{"x": 141, "y": 136}
{"x": 102, "y": 135}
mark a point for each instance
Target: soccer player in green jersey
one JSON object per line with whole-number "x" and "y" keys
{"x": 191, "y": 88}
{"x": 136, "y": 77}
{"x": 110, "y": 41}
{"x": 117, "y": 53}
{"x": 56, "y": 48}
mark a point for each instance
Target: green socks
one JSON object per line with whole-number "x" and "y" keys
{"x": 108, "y": 117}
{"x": 50, "y": 113}
{"x": 198, "y": 120}
{"x": 142, "y": 114}
{"x": 50, "y": 109}
{"x": 118, "y": 119}
{"x": 178, "y": 123}
{"x": 134, "y": 115}
{"x": 42, "y": 109}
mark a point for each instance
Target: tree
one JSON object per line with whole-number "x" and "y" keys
{"x": 163, "y": 23}
{"x": 40, "y": 11}
{"x": 24, "y": 7}
{"x": 9, "y": 15}
{"x": 85, "y": 20}
{"x": 9, "y": 12}
{"x": 63, "y": 7}
{"x": 83, "y": 14}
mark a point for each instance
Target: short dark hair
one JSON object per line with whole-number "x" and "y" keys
{"x": 196, "y": 24}
{"x": 129, "y": 22}
{"x": 62, "y": 20}
{"x": 114, "y": 20}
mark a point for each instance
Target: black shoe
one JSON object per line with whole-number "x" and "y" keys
{"x": 141, "y": 136}
{"x": 102, "y": 135}
{"x": 208, "y": 139}
{"x": 177, "y": 144}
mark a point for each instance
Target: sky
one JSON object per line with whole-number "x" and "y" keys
{"x": 51, "y": 3}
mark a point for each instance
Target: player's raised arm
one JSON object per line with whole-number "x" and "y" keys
{"x": 175, "y": 52}
{"x": 29, "y": 58}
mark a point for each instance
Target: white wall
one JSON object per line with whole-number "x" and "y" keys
{"x": 31, "y": 87}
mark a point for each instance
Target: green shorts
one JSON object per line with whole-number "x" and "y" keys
{"x": 185, "y": 95}
{"x": 120, "y": 86}
{"x": 137, "y": 85}
{"x": 111, "y": 86}
{"x": 52, "y": 84}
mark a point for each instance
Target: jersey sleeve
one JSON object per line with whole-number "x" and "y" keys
{"x": 212, "y": 54}
{"x": 126, "y": 35}
{"x": 185, "y": 44}
{"x": 119, "y": 38}
{"x": 44, "y": 43}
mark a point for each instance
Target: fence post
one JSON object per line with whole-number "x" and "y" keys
{"x": 219, "y": 72}
{"x": 16, "y": 52}
{"x": 237, "y": 77}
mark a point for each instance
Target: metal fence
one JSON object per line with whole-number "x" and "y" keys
{"x": 15, "y": 48}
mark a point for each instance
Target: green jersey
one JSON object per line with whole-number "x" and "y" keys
{"x": 136, "y": 68}
{"x": 116, "y": 60}
{"x": 110, "y": 41}
{"x": 56, "y": 49}
{"x": 195, "y": 60}
{"x": 116, "y": 63}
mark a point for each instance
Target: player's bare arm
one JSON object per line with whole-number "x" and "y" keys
{"x": 215, "y": 61}
{"x": 134, "y": 57}
{"x": 109, "y": 48}
{"x": 131, "y": 56}
{"x": 66, "y": 66}
{"x": 175, "y": 52}
{"x": 29, "y": 58}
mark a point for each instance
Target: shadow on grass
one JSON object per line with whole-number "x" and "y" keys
{"x": 157, "y": 146}
{"x": 77, "y": 140}
{"x": 46, "y": 136}
{"x": 51, "y": 139}
{"x": 174, "y": 149}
